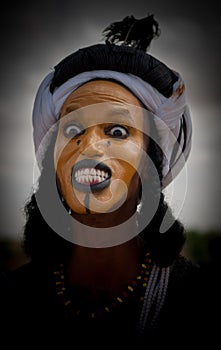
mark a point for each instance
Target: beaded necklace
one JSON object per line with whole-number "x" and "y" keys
{"x": 140, "y": 283}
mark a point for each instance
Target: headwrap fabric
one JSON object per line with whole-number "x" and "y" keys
{"x": 118, "y": 58}
{"x": 172, "y": 111}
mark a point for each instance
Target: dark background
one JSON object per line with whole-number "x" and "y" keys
{"x": 37, "y": 35}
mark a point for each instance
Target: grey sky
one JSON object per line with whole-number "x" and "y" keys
{"x": 35, "y": 36}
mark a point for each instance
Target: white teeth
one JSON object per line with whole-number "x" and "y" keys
{"x": 90, "y": 175}
{"x": 93, "y": 171}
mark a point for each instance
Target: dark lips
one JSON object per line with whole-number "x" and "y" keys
{"x": 90, "y": 163}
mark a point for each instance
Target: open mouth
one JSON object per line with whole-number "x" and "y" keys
{"x": 89, "y": 175}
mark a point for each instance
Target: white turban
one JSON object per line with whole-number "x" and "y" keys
{"x": 172, "y": 111}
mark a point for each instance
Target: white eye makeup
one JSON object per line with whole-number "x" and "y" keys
{"x": 72, "y": 130}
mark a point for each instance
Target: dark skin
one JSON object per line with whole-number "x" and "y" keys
{"x": 98, "y": 275}
{"x": 101, "y": 274}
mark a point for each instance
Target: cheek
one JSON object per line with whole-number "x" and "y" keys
{"x": 65, "y": 153}
{"x": 64, "y": 161}
{"x": 126, "y": 172}
{"x": 64, "y": 180}
{"x": 129, "y": 154}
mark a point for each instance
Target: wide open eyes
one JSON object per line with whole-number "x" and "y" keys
{"x": 72, "y": 130}
{"x": 117, "y": 131}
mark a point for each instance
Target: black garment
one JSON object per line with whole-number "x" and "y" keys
{"x": 29, "y": 306}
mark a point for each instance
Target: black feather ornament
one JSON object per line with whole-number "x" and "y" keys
{"x": 133, "y": 32}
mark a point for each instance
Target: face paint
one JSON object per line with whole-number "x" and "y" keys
{"x": 86, "y": 203}
{"x": 101, "y": 170}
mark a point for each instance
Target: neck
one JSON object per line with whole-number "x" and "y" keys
{"x": 107, "y": 253}
{"x": 105, "y": 229}
{"x": 104, "y": 272}
{"x": 119, "y": 216}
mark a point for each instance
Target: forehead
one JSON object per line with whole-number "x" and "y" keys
{"x": 98, "y": 91}
{"x": 106, "y": 112}
{"x": 102, "y": 101}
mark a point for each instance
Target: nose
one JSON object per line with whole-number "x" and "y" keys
{"x": 93, "y": 143}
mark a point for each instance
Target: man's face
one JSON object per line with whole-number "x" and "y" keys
{"x": 99, "y": 148}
